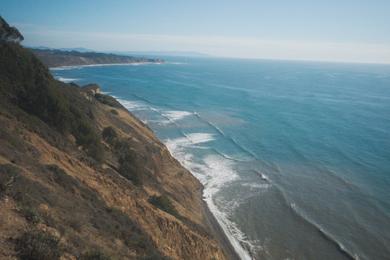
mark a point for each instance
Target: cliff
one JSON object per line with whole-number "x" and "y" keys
{"x": 57, "y": 58}
{"x": 8, "y": 33}
{"x": 82, "y": 178}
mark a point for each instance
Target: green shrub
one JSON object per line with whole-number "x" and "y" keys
{"x": 28, "y": 84}
{"x": 86, "y": 137}
{"x": 95, "y": 255}
{"x": 127, "y": 161}
{"x": 128, "y": 170}
{"x": 107, "y": 100}
{"x": 164, "y": 203}
{"x": 38, "y": 245}
{"x": 8, "y": 174}
{"x": 114, "y": 112}
{"x": 109, "y": 135}
{"x": 31, "y": 214}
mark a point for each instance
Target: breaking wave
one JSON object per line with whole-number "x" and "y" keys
{"x": 66, "y": 80}
{"x": 214, "y": 172}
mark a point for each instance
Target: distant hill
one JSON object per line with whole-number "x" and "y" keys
{"x": 57, "y": 58}
{"x": 165, "y": 53}
{"x": 79, "y": 49}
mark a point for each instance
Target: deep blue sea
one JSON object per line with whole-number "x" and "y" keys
{"x": 294, "y": 156}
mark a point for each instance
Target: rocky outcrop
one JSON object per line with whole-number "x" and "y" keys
{"x": 8, "y": 33}
{"x": 91, "y": 89}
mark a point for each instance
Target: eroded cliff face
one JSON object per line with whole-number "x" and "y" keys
{"x": 82, "y": 178}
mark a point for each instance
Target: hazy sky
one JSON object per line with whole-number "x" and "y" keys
{"x": 334, "y": 30}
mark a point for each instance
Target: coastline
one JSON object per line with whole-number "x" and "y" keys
{"x": 64, "y": 67}
{"x": 328, "y": 235}
{"x": 217, "y": 229}
{"x": 218, "y": 233}
{"x": 211, "y": 221}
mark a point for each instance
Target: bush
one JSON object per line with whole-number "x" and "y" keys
{"x": 114, "y": 112}
{"x": 28, "y": 84}
{"x": 86, "y": 137}
{"x": 109, "y": 135}
{"x": 31, "y": 214}
{"x": 127, "y": 165}
{"x": 107, "y": 100}
{"x": 38, "y": 245}
{"x": 127, "y": 170}
{"x": 95, "y": 255}
{"x": 164, "y": 203}
{"x": 7, "y": 177}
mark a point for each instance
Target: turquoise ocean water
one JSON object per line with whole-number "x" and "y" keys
{"x": 294, "y": 156}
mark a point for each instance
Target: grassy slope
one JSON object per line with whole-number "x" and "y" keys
{"x": 66, "y": 190}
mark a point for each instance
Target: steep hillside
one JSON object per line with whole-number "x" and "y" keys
{"x": 56, "y": 58}
{"x": 8, "y": 33}
{"x": 81, "y": 178}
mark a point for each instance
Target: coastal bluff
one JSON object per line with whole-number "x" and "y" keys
{"x": 60, "y": 58}
{"x": 82, "y": 178}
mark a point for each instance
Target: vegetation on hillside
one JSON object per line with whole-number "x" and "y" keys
{"x": 26, "y": 83}
{"x": 63, "y": 152}
{"x": 38, "y": 245}
{"x": 54, "y": 110}
{"x": 164, "y": 203}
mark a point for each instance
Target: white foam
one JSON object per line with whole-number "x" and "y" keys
{"x": 132, "y": 105}
{"x": 214, "y": 172}
{"x": 264, "y": 177}
{"x": 104, "y": 65}
{"x": 190, "y": 140}
{"x": 66, "y": 80}
{"x": 174, "y": 115}
{"x": 259, "y": 186}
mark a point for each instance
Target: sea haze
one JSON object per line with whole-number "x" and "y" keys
{"x": 294, "y": 156}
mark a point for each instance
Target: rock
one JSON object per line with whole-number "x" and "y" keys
{"x": 91, "y": 89}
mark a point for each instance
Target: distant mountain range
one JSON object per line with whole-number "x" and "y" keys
{"x": 71, "y": 57}
{"x": 165, "y": 53}
{"x": 79, "y": 49}
{"x": 131, "y": 53}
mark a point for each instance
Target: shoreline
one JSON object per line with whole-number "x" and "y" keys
{"x": 64, "y": 67}
{"x": 210, "y": 220}
{"x": 218, "y": 232}
{"x": 217, "y": 229}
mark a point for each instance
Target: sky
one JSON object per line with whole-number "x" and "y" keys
{"x": 332, "y": 30}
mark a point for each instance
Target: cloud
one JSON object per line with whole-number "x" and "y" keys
{"x": 242, "y": 47}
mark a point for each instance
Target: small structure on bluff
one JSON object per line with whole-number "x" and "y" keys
{"x": 8, "y": 33}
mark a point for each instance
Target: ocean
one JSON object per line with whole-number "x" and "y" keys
{"x": 294, "y": 156}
